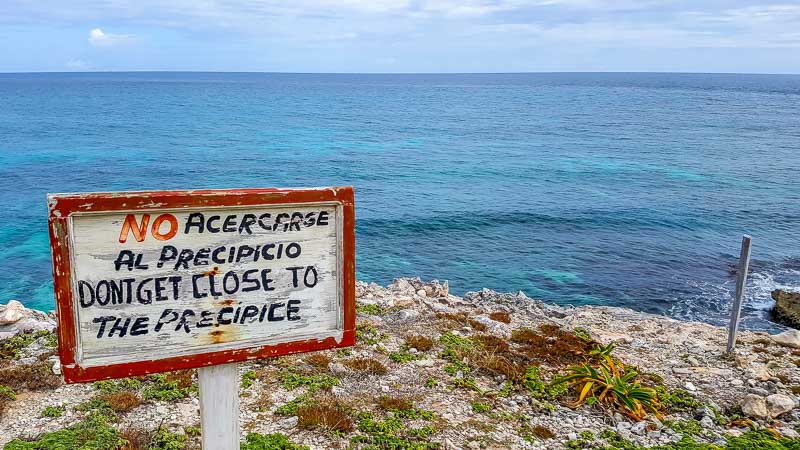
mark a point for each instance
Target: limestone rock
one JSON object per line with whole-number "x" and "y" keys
{"x": 12, "y": 312}
{"x": 755, "y": 406}
{"x": 15, "y": 318}
{"x": 787, "y": 307}
{"x": 778, "y": 404}
{"x": 789, "y": 338}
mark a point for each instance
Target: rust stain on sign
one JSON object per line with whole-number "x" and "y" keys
{"x": 166, "y": 280}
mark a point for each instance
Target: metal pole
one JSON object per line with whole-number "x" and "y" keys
{"x": 741, "y": 279}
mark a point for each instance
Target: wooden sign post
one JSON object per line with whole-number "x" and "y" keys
{"x": 157, "y": 281}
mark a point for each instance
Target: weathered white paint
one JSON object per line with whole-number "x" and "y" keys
{"x": 219, "y": 407}
{"x": 95, "y": 243}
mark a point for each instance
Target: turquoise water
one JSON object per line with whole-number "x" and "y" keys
{"x": 619, "y": 189}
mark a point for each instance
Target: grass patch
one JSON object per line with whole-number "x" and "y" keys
{"x": 274, "y": 441}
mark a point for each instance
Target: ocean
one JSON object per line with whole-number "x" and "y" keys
{"x": 623, "y": 189}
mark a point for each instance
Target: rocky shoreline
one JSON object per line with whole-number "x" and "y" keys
{"x": 433, "y": 370}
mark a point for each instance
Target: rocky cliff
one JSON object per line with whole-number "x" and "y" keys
{"x": 433, "y": 370}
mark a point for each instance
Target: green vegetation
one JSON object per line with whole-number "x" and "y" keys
{"x": 480, "y": 407}
{"x": 612, "y": 386}
{"x": 163, "y": 439}
{"x": 191, "y": 430}
{"x": 367, "y": 334}
{"x": 690, "y": 427}
{"x": 10, "y": 348}
{"x": 99, "y": 407}
{"x": 413, "y": 414}
{"x": 292, "y": 380}
{"x": 431, "y": 382}
{"x": 52, "y": 411}
{"x": 582, "y": 334}
{"x": 169, "y": 387}
{"x": 114, "y": 386}
{"x": 751, "y": 440}
{"x": 390, "y": 434}
{"x": 539, "y": 389}
{"x": 248, "y": 378}
{"x": 375, "y": 310}
{"x": 290, "y": 408}
{"x": 94, "y": 433}
{"x": 7, "y": 393}
{"x": 404, "y": 355}
{"x": 676, "y": 400}
{"x": 275, "y": 441}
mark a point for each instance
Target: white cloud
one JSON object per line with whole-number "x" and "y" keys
{"x": 99, "y": 38}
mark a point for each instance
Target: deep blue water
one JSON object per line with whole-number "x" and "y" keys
{"x": 619, "y": 189}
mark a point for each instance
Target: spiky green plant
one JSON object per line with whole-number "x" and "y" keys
{"x": 612, "y": 387}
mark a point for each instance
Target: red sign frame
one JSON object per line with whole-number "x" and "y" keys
{"x": 62, "y": 206}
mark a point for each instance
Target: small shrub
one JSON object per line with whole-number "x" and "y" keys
{"x": 328, "y": 414}
{"x": 319, "y": 361}
{"x": 613, "y": 388}
{"x": 491, "y": 343}
{"x": 367, "y": 365}
{"x": 136, "y": 438}
{"x": 500, "y": 316}
{"x": 389, "y": 403}
{"x": 122, "y": 401}
{"x": 163, "y": 439}
{"x": 542, "y": 432}
{"x": 421, "y": 343}
{"x": 29, "y": 376}
{"x": 476, "y": 325}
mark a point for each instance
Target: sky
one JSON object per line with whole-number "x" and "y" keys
{"x": 401, "y": 35}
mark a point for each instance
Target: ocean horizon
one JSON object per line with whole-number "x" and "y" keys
{"x": 626, "y": 189}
